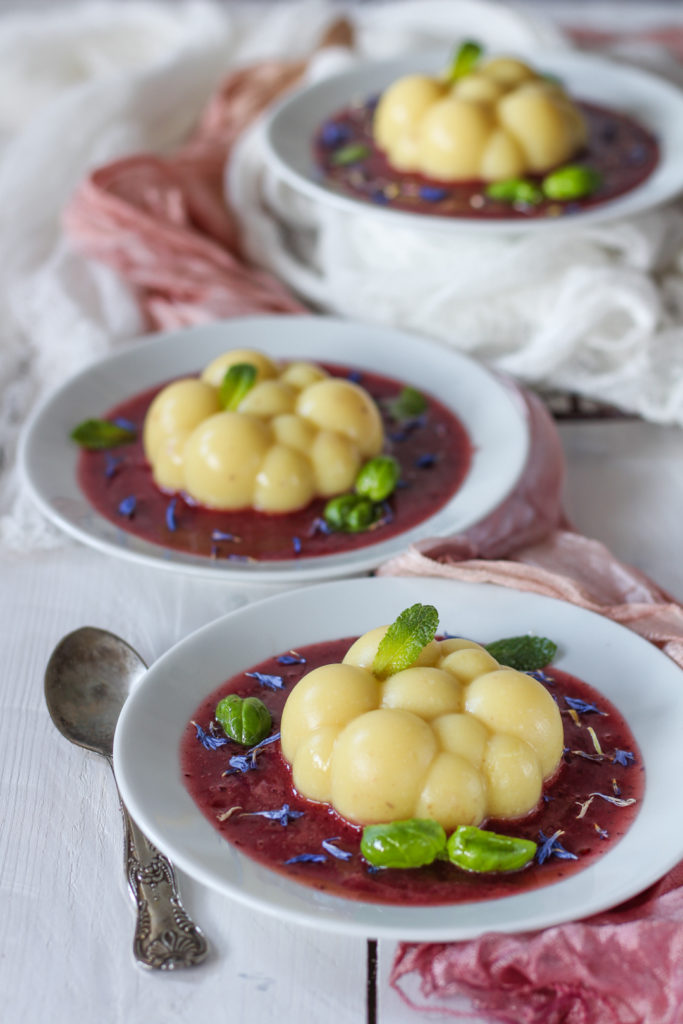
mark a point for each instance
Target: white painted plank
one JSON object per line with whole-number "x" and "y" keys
{"x": 66, "y": 922}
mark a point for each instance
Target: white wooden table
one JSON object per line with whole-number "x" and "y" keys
{"x": 65, "y": 921}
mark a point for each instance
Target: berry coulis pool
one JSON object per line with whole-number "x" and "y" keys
{"x": 587, "y": 807}
{"x": 623, "y": 152}
{"x": 433, "y": 449}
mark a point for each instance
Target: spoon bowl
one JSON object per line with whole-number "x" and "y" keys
{"x": 87, "y": 680}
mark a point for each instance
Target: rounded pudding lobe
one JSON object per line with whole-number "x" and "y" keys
{"x": 176, "y": 411}
{"x": 452, "y": 137}
{"x": 508, "y": 72}
{"x": 301, "y": 375}
{"x": 285, "y": 481}
{"x": 513, "y": 775}
{"x": 503, "y": 157}
{"x": 342, "y": 407}
{"x": 269, "y": 398}
{"x": 328, "y": 696}
{"x": 477, "y": 88}
{"x": 296, "y": 433}
{"x": 222, "y": 458}
{"x": 513, "y": 702}
{"x": 398, "y": 116}
{"x": 464, "y": 735}
{"x": 379, "y": 764}
{"x": 336, "y": 461}
{"x": 311, "y": 766}
{"x": 545, "y": 124}
{"x": 427, "y": 692}
{"x": 454, "y": 793}
{"x": 468, "y": 663}
{"x": 215, "y": 372}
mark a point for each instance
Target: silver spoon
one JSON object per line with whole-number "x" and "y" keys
{"x": 87, "y": 680}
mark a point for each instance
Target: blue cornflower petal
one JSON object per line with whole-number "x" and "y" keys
{"x": 291, "y": 659}
{"x": 307, "y": 858}
{"x": 582, "y": 706}
{"x": 273, "y": 682}
{"x": 432, "y": 193}
{"x": 334, "y": 850}
{"x": 333, "y": 134}
{"x": 624, "y": 757}
{"x": 550, "y": 846}
{"x": 125, "y": 424}
{"x": 220, "y": 535}
{"x": 283, "y": 814}
{"x": 111, "y": 465}
{"x": 127, "y": 506}
{"x": 170, "y": 514}
{"x": 207, "y": 740}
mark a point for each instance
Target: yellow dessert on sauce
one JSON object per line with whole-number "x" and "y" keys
{"x": 498, "y": 120}
{"x": 296, "y": 434}
{"x": 455, "y": 737}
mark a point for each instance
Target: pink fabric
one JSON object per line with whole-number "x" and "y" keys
{"x": 163, "y": 225}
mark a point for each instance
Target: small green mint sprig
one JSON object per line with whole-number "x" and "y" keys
{"x": 237, "y": 383}
{"x": 405, "y": 638}
{"x": 524, "y": 653}
{"x": 96, "y": 435}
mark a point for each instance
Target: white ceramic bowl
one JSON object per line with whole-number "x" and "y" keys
{"x": 654, "y": 102}
{"x": 644, "y": 685}
{"x": 490, "y": 412}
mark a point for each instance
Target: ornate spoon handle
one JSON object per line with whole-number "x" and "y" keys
{"x": 165, "y": 936}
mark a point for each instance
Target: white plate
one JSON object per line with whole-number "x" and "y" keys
{"x": 642, "y": 682}
{"x": 491, "y": 414}
{"x": 652, "y": 101}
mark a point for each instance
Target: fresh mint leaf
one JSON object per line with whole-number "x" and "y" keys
{"x": 525, "y": 653}
{"x": 98, "y": 434}
{"x": 351, "y": 154}
{"x": 466, "y": 57}
{"x": 409, "y": 403}
{"x": 238, "y": 381}
{"x": 404, "y": 640}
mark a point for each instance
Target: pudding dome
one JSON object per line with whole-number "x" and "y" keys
{"x": 296, "y": 434}
{"x": 501, "y": 120}
{"x": 456, "y": 737}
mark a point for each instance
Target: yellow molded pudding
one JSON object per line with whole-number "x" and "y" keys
{"x": 456, "y": 737}
{"x": 296, "y": 434}
{"x": 502, "y": 120}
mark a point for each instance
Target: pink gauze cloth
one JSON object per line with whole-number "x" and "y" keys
{"x": 163, "y": 225}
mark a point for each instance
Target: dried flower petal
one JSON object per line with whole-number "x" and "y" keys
{"x": 334, "y": 850}
{"x": 583, "y": 706}
{"x": 283, "y": 815}
{"x": 624, "y": 757}
{"x": 127, "y": 506}
{"x": 208, "y": 741}
{"x": 615, "y": 800}
{"x": 271, "y": 681}
{"x": 170, "y": 514}
{"x": 549, "y": 846}
{"x": 307, "y": 858}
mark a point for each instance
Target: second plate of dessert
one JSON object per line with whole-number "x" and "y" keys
{"x": 343, "y": 444}
{"x": 421, "y": 141}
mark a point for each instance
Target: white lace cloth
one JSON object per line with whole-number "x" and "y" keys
{"x": 83, "y": 84}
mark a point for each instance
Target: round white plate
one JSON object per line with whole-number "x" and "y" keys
{"x": 490, "y": 412}
{"x": 654, "y": 102}
{"x": 642, "y": 682}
